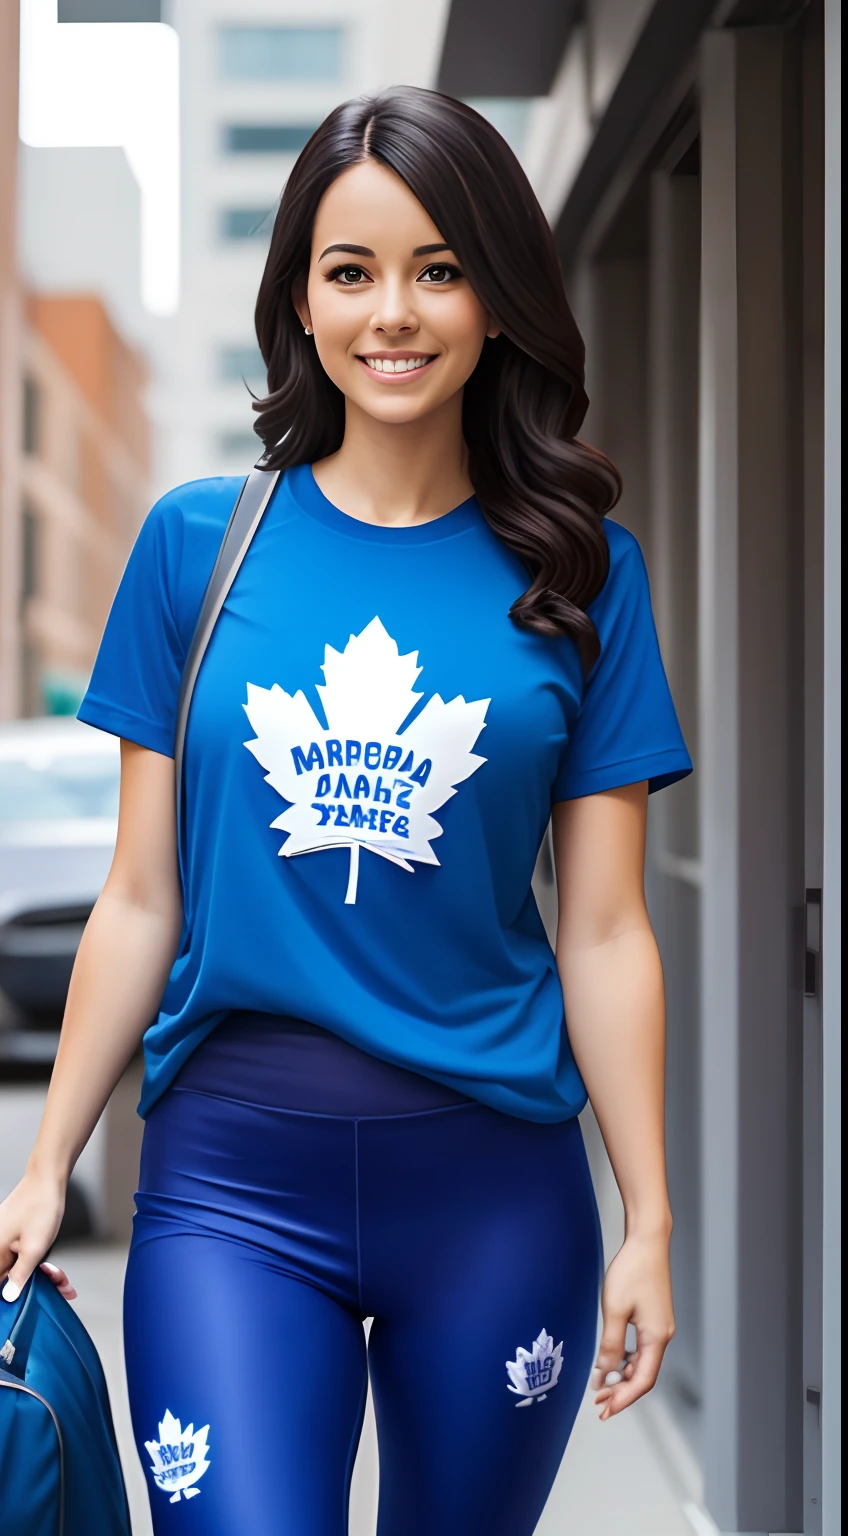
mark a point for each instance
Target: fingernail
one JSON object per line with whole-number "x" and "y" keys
{"x": 53, "y": 1268}
{"x": 11, "y": 1291}
{"x": 612, "y": 1378}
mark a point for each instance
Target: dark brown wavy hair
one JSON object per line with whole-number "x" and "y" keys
{"x": 543, "y": 491}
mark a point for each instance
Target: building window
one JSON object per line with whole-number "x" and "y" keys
{"x": 242, "y": 364}
{"x": 246, "y": 223}
{"x": 32, "y": 416}
{"x": 244, "y": 446}
{"x": 266, "y": 138}
{"x": 510, "y": 115}
{"x": 30, "y": 560}
{"x": 280, "y": 53}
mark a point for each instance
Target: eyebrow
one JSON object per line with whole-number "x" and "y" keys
{"x": 364, "y": 250}
{"x": 354, "y": 250}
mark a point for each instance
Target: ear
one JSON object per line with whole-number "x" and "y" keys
{"x": 492, "y": 329}
{"x": 301, "y": 307}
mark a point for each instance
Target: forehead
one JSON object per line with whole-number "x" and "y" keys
{"x": 369, "y": 205}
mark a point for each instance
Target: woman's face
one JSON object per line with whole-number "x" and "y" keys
{"x": 396, "y": 324}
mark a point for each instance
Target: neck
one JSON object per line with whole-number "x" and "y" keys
{"x": 398, "y": 474}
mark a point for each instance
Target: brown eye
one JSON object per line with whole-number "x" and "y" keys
{"x": 439, "y": 274}
{"x": 347, "y": 277}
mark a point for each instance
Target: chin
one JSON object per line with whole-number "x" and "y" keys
{"x": 398, "y": 412}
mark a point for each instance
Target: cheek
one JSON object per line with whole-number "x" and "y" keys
{"x": 336, "y": 327}
{"x": 461, "y": 324}
{"x": 336, "y": 322}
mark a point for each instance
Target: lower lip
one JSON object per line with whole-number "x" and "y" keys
{"x": 397, "y": 378}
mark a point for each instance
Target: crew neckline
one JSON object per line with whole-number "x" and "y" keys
{"x": 311, "y": 500}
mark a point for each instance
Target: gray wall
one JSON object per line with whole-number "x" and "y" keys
{"x": 832, "y": 914}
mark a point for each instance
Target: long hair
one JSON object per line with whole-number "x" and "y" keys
{"x": 543, "y": 491}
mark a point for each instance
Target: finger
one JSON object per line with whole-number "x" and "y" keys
{"x": 18, "y": 1276}
{"x": 611, "y": 1348}
{"x": 645, "y": 1372}
{"x": 60, "y": 1280}
{"x": 612, "y": 1380}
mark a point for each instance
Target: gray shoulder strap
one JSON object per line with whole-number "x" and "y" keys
{"x": 246, "y": 516}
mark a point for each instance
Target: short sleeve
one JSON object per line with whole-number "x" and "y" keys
{"x": 136, "y": 677}
{"x": 627, "y": 728}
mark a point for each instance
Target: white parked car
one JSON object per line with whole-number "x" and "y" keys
{"x": 58, "y": 819}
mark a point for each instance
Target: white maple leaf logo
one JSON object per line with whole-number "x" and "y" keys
{"x": 179, "y": 1457}
{"x": 367, "y": 780}
{"x": 535, "y": 1371}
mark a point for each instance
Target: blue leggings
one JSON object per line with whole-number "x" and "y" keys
{"x": 265, "y": 1234}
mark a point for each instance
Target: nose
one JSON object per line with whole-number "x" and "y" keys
{"x": 394, "y": 315}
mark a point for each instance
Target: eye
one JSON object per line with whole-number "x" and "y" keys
{"x": 439, "y": 274}
{"x": 348, "y": 276}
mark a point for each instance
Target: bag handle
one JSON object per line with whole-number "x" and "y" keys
{"x": 245, "y": 518}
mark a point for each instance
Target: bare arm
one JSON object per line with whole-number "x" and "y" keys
{"x": 612, "y": 985}
{"x": 119, "y": 975}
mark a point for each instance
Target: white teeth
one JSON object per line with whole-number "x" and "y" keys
{"x": 396, "y": 364}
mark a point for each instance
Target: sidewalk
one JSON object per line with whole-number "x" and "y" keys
{"x": 613, "y": 1477}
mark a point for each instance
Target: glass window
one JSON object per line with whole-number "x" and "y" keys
{"x": 280, "y": 53}
{"x": 32, "y": 416}
{"x": 237, "y": 364}
{"x": 30, "y": 553}
{"x": 511, "y": 116}
{"x": 246, "y": 223}
{"x": 266, "y": 138}
{"x": 245, "y": 446}
{"x": 51, "y": 787}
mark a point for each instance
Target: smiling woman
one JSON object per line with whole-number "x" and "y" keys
{"x": 387, "y": 182}
{"x": 361, "y": 1097}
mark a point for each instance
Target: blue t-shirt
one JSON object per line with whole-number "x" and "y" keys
{"x": 372, "y": 754}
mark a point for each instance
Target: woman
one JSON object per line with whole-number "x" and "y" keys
{"x": 360, "y": 1096}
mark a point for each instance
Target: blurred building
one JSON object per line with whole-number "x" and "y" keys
{"x": 255, "y": 82}
{"x": 680, "y": 150}
{"x": 10, "y": 392}
{"x": 74, "y": 452}
{"x": 83, "y": 480}
{"x": 79, "y": 231}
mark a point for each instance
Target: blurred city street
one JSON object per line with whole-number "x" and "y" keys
{"x": 686, "y": 156}
{"x": 613, "y": 1478}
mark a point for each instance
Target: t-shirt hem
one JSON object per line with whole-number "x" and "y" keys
{"x": 160, "y": 1075}
{"x": 127, "y": 725}
{"x": 660, "y": 769}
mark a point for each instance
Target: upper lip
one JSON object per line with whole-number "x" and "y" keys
{"x": 397, "y": 354}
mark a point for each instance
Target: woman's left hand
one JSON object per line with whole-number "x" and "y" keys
{"x": 637, "y": 1290}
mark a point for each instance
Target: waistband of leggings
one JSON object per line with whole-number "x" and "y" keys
{"x": 278, "y": 1062}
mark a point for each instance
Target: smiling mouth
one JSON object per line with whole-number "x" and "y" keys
{"x": 399, "y": 366}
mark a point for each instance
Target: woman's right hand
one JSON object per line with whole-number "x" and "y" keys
{"x": 29, "y": 1221}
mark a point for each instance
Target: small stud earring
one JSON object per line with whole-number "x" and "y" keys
{"x": 307, "y": 330}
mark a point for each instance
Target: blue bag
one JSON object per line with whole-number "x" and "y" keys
{"x": 60, "y": 1473}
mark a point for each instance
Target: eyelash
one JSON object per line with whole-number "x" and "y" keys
{"x": 436, "y": 266}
